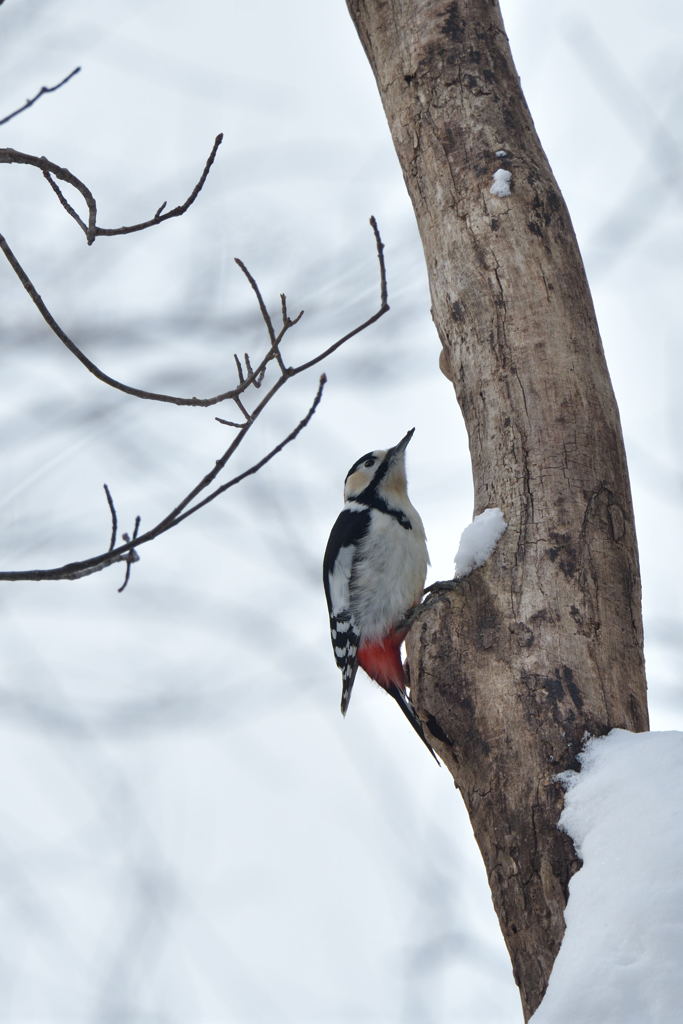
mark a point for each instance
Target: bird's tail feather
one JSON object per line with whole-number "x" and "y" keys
{"x": 348, "y": 677}
{"x": 403, "y": 701}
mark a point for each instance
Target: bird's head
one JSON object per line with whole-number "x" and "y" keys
{"x": 379, "y": 474}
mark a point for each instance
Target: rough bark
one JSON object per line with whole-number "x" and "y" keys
{"x": 543, "y": 645}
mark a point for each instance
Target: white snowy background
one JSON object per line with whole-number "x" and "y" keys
{"x": 189, "y": 831}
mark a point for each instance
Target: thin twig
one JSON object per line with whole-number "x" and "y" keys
{"x": 250, "y": 371}
{"x": 41, "y": 92}
{"x": 275, "y": 339}
{"x": 228, "y": 423}
{"x": 132, "y": 555}
{"x": 114, "y": 521}
{"x": 380, "y": 256}
{"x": 242, "y": 408}
{"x": 384, "y": 308}
{"x": 177, "y": 211}
{"x": 262, "y": 306}
{"x": 65, "y": 202}
{"x": 266, "y": 458}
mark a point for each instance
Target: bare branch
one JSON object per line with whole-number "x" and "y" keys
{"x": 266, "y": 458}
{"x": 201, "y": 494}
{"x": 42, "y": 92}
{"x": 291, "y": 372}
{"x": 384, "y": 306}
{"x": 255, "y": 375}
{"x": 92, "y": 367}
{"x": 48, "y": 167}
{"x": 92, "y": 230}
{"x": 245, "y": 382}
{"x": 177, "y": 211}
{"x": 127, "y": 552}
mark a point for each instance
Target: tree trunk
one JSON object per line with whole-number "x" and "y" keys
{"x": 543, "y": 645}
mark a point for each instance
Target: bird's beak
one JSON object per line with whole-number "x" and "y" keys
{"x": 402, "y": 444}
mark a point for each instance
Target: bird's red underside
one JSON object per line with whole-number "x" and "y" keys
{"x": 382, "y": 660}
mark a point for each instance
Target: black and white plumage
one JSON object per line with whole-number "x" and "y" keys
{"x": 344, "y": 542}
{"x": 374, "y": 572}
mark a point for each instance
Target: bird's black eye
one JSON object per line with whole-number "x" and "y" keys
{"x": 369, "y": 462}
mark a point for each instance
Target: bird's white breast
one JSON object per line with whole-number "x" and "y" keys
{"x": 388, "y": 573}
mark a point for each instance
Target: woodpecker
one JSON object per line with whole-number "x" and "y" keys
{"x": 374, "y": 572}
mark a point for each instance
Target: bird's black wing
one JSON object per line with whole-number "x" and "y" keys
{"x": 347, "y": 533}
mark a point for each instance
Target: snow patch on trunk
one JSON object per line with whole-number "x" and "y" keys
{"x": 500, "y": 183}
{"x": 478, "y": 541}
{"x": 620, "y": 959}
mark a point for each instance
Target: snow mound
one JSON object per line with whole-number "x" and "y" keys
{"x": 500, "y": 183}
{"x": 478, "y": 541}
{"x": 620, "y": 960}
